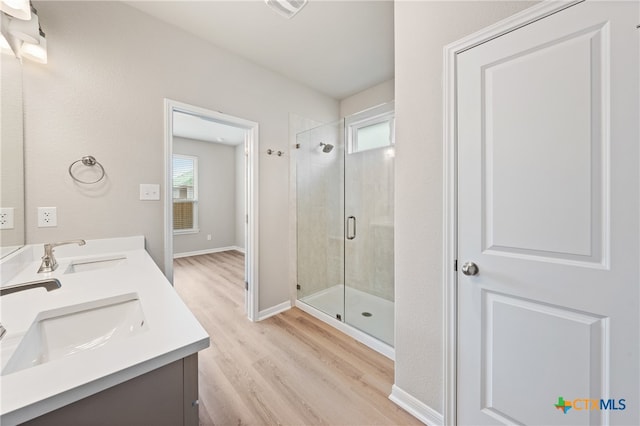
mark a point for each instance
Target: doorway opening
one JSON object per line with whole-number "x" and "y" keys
{"x": 210, "y": 207}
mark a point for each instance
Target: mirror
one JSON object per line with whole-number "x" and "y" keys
{"x": 12, "y": 229}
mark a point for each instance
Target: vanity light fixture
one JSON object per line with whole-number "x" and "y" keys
{"x": 26, "y": 30}
{"x": 35, "y": 52}
{"x": 8, "y": 44}
{"x": 24, "y": 37}
{"x": 19, "y": 9}
{"x": 286, "y": 8}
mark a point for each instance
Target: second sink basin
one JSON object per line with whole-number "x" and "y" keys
{"x": 66, "y": 331}
{"x": 94, "y": 263}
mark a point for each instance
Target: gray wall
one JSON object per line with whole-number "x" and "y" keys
{"x": 216, "y": 196}
{"x": 11, "y": 152}
{"x": 101, "y": 94}
{"x": 422, "y": 29}
{"x": 373, "y": 96}
{"x": 240, "y": 181}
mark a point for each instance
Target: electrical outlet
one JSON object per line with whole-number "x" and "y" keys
{"x": 47, "y": 217}
{"x": 6, "y": 218}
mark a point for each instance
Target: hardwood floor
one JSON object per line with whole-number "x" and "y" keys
{"x": 290, "y": 369}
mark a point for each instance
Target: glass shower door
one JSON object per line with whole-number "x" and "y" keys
{"x": 320, "y": 212}
{"x": 369, "y": 211}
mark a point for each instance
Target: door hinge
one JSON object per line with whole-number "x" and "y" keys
{"x": 455, "y": 265}
{"x": 298, "y": 287}
{"x": 246, "y": 285}
{"x": 297, "y": 146}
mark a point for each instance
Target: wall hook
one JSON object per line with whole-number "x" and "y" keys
{"x": 278, "y": 153}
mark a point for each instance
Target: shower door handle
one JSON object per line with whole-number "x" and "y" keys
{"x": 349, "y": 235}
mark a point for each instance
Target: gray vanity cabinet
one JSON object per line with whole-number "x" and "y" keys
{"x": 165, "y": 396}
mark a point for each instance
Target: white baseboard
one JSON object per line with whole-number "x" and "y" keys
{"x": 274, "y": 310}
{"x": 207, "y": 251}
{"x": 415, "y": 407}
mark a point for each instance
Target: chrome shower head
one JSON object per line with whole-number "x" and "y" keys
{"x": 326, "y": 147}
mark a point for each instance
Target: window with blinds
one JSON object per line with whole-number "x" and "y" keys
{"x": 185, "y": 193}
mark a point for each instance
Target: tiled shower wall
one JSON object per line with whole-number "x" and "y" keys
{"x": 369, "y": 188}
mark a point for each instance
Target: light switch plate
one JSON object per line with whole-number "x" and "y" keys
{"x": 149, "y": 191}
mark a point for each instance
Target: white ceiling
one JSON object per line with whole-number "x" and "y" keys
{"x": 336, "y": 47}
{"x": 202, "y": 129}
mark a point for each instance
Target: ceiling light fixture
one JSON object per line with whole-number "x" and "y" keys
{"x": 286, "y": 8}
{"x": 20, "y": 9}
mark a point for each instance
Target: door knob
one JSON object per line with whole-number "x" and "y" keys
{"x": 470, "y": 268}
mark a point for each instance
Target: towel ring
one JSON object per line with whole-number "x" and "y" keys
{"x": 89, "y": 161}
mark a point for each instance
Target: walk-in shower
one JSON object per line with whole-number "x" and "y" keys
{"x": 345, "y": 184}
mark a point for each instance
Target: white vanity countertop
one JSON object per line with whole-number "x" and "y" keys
{"x": 173, "y": 332}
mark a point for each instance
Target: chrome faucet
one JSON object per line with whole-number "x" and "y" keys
{"x": 49, "y": 263}
{"x": 48, "y": 284}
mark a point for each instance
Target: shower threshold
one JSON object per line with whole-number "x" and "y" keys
{"x": 368, "y": 318}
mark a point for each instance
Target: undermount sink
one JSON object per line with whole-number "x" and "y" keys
{"x": 94, "y": 263}
{"x": 63, "y": 332}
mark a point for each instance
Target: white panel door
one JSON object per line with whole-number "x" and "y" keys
{"x": 548, "y": 210}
